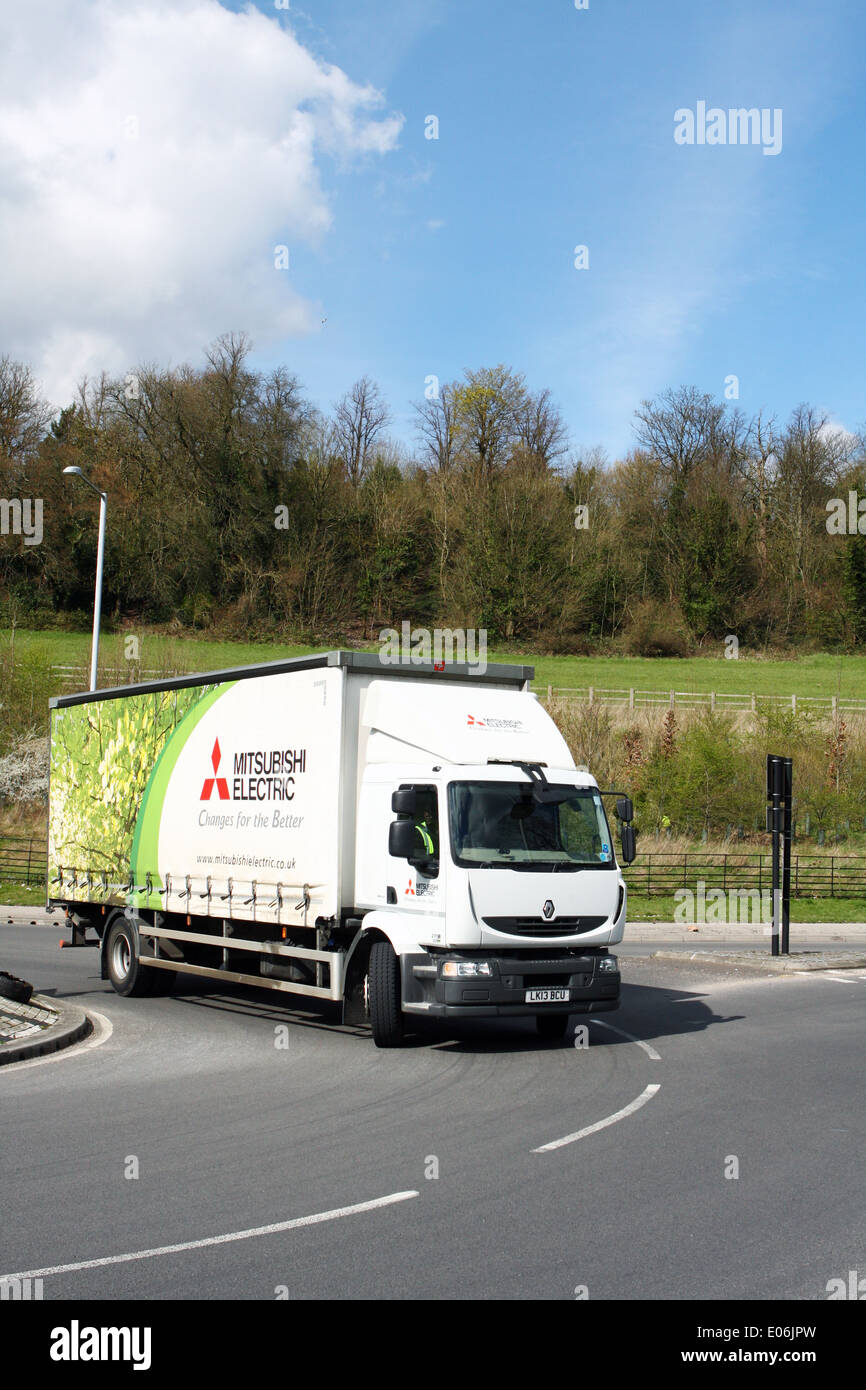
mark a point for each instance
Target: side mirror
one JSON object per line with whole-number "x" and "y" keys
{"x": 624, "y": 809}
{"x": 404, "y": 802}
{"x": 402, "y": 838}
{"x": 628, "y": 844}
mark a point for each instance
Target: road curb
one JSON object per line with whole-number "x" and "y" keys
{"x": 776, "y": 965}
{"x": 72, "y": 1025}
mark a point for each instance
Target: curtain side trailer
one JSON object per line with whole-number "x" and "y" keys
{"x": 402, "y": 840}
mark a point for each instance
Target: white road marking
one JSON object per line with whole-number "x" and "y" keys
{"x": 650, "y": 1051}
{"x": 103, "y": 1029}
{"x": 833, "y": 979}
{"x": 602, "y": 1124}
{"x": 274, "y": 1229}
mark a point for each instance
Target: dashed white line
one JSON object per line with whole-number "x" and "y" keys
{"x": 833, "y": 979}
{"x": 602, "y": 1124}
{"x": 650, "y": 1051}
{"x": 255, "y": 1231}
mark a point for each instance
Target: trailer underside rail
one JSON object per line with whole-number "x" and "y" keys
{"x": 334, "y": 959}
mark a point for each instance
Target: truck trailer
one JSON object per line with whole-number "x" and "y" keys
{"x": 408, "y": 841}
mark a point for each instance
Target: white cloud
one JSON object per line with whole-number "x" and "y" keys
{"x": 151, "y": 158}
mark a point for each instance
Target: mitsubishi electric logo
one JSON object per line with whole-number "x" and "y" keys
{"x": 508, "y": 726}
{"x": 221, "y": 784}
{"x": 548, "y": 910}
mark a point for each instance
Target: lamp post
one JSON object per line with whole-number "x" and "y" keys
{"x": 100, "y": 550}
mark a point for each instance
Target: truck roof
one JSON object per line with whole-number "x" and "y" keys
{"x": 366, "y": 662}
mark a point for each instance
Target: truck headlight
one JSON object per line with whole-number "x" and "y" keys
{"x": 608, "y": 963}
{"x": 465, "y": 969}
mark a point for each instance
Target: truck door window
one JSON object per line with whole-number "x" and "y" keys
{"x": 426, "y": 822}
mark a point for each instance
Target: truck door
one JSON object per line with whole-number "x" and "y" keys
{"x": 417, "y": 875}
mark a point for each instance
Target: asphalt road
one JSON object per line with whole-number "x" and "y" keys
{"x": 230, "y": 1131}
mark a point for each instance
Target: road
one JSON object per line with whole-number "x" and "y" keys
{"x": 229, "y": 1130}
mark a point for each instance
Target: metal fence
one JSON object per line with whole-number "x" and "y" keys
{"x": 70, "y": 677}
{"x": 824, "y": 876}
{"x": 709, "y": 699}
{"x": 77, "y": 678}
{"x": 22, "y": 860}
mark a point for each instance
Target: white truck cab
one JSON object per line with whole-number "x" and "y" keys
{"x": 486, "y": 857}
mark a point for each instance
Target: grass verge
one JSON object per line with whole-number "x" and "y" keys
{"x": 662, "y": 909}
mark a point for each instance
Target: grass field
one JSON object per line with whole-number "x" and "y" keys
{"x": 810, "y": 675}
{"x": 639, "y": 909}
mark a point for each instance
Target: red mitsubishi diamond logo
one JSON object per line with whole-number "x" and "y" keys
{"x": 222, "y": 785}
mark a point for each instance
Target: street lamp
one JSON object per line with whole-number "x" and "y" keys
{"x": 100, "y": 549}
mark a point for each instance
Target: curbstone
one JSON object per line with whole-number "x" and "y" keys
{"x": 72, "y": 1025}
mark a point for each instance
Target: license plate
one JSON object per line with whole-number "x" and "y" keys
{"x": 548, "y": 996}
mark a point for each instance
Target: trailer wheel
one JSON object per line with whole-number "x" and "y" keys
{"x": 125, "y": 970}
{"x": 386, "y": 1016}
{"x": 552, "y": 1026}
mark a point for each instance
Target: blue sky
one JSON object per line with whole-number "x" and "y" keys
{"x": 556, "y": 129}
{"x": 152, "y": 156}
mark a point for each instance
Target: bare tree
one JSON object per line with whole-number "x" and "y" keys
{"x": 541, "y": 436}
{"x": 24, "y": 416}
{"x": 757, "y": 468}
{"x": 682, "y": 429}
{"x": 811, "y": 457}
{"x": 437, "y": 429}
{"x": 359, "y": 418}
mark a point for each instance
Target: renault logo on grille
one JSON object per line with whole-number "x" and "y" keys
{"x": 548, "y": 910}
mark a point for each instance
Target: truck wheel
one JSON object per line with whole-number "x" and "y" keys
{"x": 552, "y": 1025}
{"x": 125, "y": 970}
{"x": 386, "y": 1016}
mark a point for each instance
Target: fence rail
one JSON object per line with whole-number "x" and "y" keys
{"x": 826, "y": 876}
{"x": 22, "y": 860}
{"x": 77, "y": 678}
{"x": 128, "y": 673}
{"x": 704, "y": 699}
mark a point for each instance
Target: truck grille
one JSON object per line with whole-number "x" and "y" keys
{"x": 537, "y": 926}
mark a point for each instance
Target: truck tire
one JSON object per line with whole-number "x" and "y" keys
{"x": 552, "y": 1026}
{"x": 386, "y": 1016}
{"x": 19, "y": 991}
{"x": 125, "y": 971}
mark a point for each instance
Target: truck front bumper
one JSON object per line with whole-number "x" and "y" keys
{"x": 504, "y": 993}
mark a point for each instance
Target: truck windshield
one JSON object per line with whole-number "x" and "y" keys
{"x": 499, "y": 824}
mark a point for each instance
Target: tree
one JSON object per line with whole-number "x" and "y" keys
{"x": 681, "y": 429}
{"x": 24, "y": 416}
{"x": 540, "y": 434}
{"x": 360, "y": 416}
{"x": 436, "y": 427}
{"x": 488, "y": 403}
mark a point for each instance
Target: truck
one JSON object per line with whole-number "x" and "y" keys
{"x": 406, "y": 840}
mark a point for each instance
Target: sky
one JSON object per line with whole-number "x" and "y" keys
{"x": 155, "y": 157}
